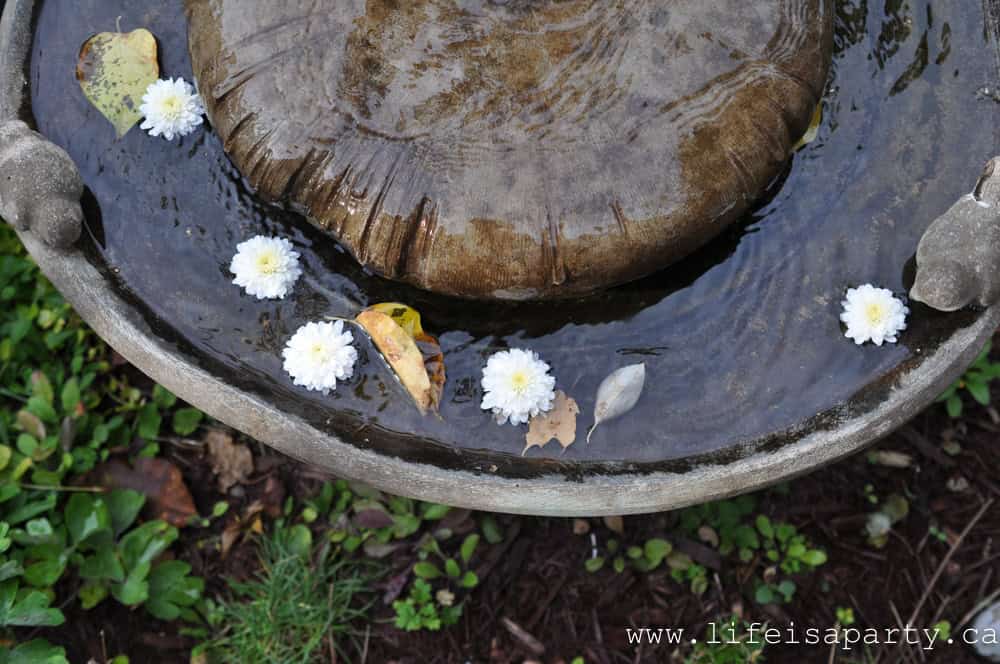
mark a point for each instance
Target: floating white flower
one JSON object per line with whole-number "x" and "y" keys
{"x": 517, "y": 386}
{"x": 320, "y": 354}
{"x": 873, "y": 314}
{"x": 172, "y": 107}
{"x": 267, "y": 267}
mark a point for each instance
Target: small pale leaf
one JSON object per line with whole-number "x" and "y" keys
{"x": 558, "y": 423}
{"x": 618, "y": 394}
{"x": 114, "y": 71}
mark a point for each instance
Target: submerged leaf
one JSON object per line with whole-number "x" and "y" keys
{"x": 618, "y": 394}
{"x": 114, "y": 70}
{"x": 403, "y": 355}
{"x": 558, "y": 423}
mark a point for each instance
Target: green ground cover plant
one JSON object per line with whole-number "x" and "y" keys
{"x": 302, "y": 606}
{"x": 62, "y": 410}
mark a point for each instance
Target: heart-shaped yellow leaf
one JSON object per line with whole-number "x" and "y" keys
{"x": 114, "y": 71}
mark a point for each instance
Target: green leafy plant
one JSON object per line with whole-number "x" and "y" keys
{"x": 880, "y": 523}
{"x": 976, "y": 381}
{"x": 777, "y": 548}
{"x": 645, "y": 558}
{"x": 305, "y": 599}
{"x": 37, "y": 651}
{"x": 423, "y": 608}
{"x": 727, "y": 642}
{"x": 845, "y": 616}
{"x": 62, "y": 410}
{"x": 685, "y": 570}
{"x": 95, "y": 537}
{"x": 727, "y": 518}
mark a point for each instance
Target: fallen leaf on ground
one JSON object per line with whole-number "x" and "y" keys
{"x": 558, "y": 423}
{"x": 890, "y": 459}
{"x": 114, "y": 71}
{"x": 167, "y": 497}
{"x": 618, "y": 394}
{"x": 232, "y": 463}
{"x": 615, "y": 524}
{"x": 404, "y": 357}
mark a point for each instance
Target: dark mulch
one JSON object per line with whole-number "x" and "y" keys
{"x": 535, "y": 591}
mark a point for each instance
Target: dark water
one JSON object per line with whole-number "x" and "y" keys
{"x": 742, "y": 342}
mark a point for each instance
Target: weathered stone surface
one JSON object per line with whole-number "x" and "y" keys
{"x": 40, "y": 189}
{"x": 958, "y": 258}
{"x": 512, "y": 149}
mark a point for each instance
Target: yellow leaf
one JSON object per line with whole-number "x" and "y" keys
{"x": 114, "y": 71}
{"x": 558, "y": 423}
{"x": 401, "y": 353}
{"x": 405, "y": 316}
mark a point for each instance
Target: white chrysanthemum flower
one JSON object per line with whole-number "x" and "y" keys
{"x": 517, "y": 386}
{"x": 267, "y": 267}
{"x": 172, "y": 107}
{"x": 873, "y": 314}
{"x": 320, "y": 354}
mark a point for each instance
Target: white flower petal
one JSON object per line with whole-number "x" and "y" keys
{"x": 517, "y": 386}
{"x": 266, "y": 267}
{"x": 320, "y": 354}
{"x": 171, "y": 108}
{"x": 873, "y": 314}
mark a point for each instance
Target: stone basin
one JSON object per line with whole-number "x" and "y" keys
{"x": 749, "y": 378}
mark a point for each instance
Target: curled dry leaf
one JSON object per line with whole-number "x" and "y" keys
{"x": 558, "y": 423}
{"x": 890, "y": 459}
{"x": 167, "y": 496}
{"x": 813, "y": 132}
{"x": 615, "y": 524}
{"x": 414, "y": 356}
{"x": 114, "y": 70}
{"x": 232, "y": 463}
{"x": 618, "y": 394}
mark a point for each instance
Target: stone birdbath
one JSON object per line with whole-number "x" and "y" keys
{"x": 690, "y": 186}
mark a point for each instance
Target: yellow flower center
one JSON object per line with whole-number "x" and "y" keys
{"x": 519, "y": 381}
{"x": 172, "y": 107}
{"x": 875, "y": 313}
{"x": 318, "y": 352}
{"x": 267, "y": 263}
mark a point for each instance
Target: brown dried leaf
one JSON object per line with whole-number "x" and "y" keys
{"x": 433, "y": 358}
{"x": 31, "y": 425}
{"x": 558, "y": 423}
{"x": 615, "y": 524}
{"x": 232, "y": 463}
{"x": 401, "y": 353}
{"x": 229, "y": 537}
{"x": 890, "y": 459}
{"x": 167, "y": 497}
